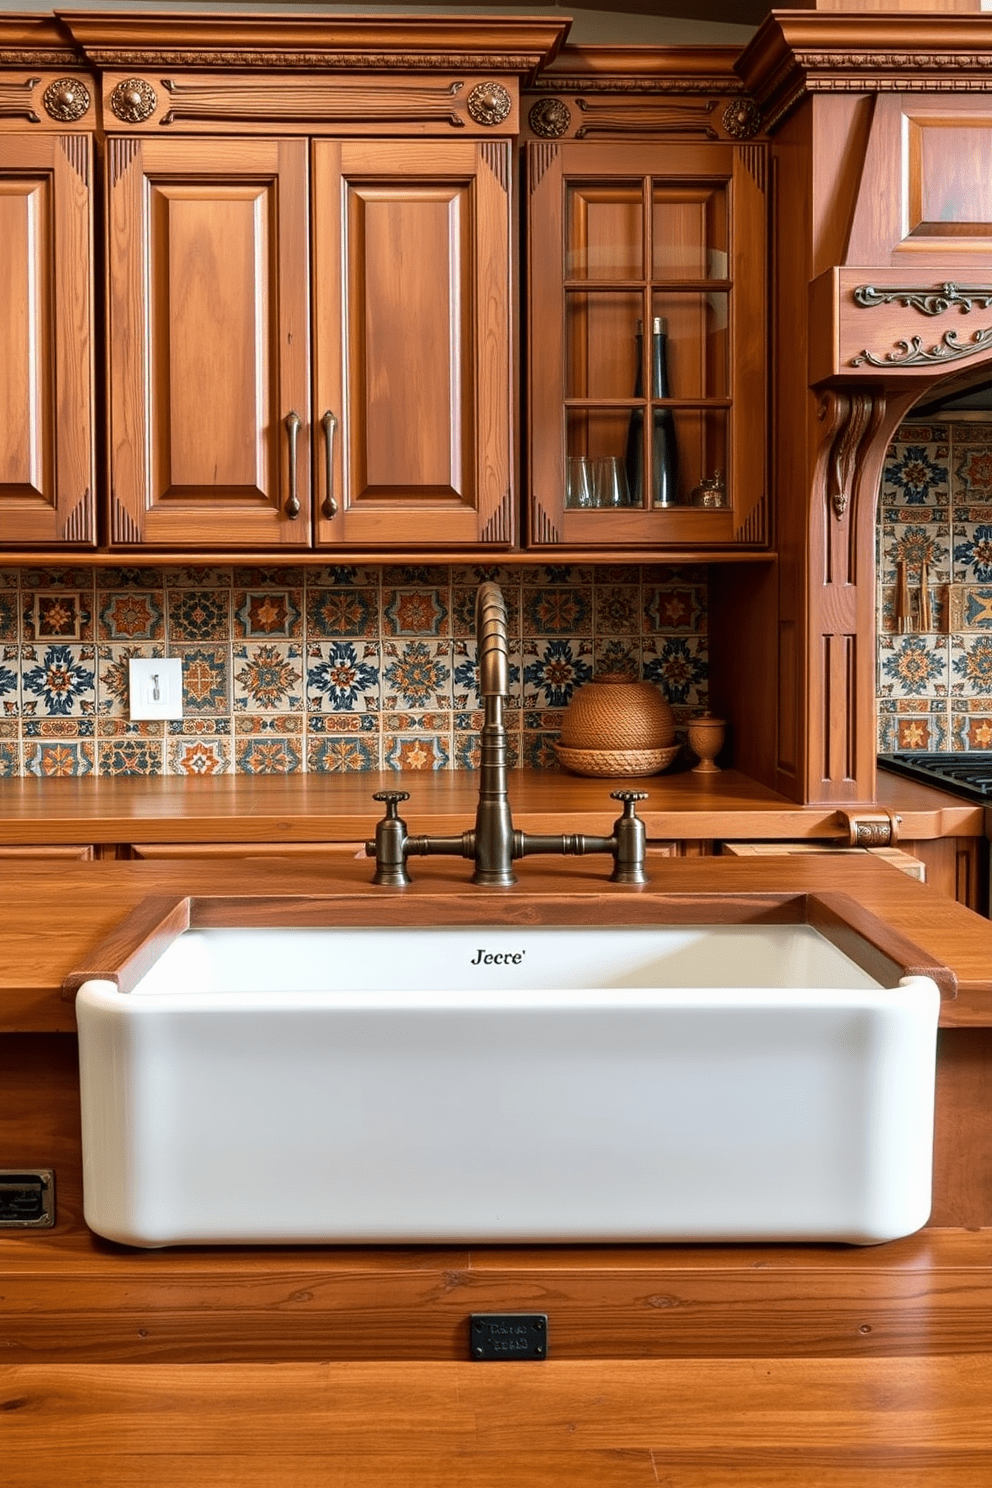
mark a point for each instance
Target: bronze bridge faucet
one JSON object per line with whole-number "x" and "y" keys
{"x": 495, "y": 842}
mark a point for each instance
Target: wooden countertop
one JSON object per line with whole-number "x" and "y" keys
{"x": 329, "y": 808}
{"x": 56, "y": 913}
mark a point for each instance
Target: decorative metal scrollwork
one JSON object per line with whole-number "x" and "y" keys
{"x": 913, "y": 353}
{"x": 927, "y": 301}
{"x": 133, "y": 101}
{"x": 742, "y": 118}
{"x": 67, "y": 99}
{"x": 549, "y": 117}
{"x": 489, "y": 103}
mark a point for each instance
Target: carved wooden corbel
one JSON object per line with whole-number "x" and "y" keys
{"x": 850, "y": 418}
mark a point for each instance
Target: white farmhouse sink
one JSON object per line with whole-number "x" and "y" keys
{"x": 504, "y": 1084}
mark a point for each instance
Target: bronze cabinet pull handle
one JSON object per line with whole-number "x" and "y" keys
{"x": 293, "y": 430}
{"x": 330, "y": 423}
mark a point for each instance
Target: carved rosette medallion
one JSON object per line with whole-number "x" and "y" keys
{"x": 489, "y": 103}
{"x": 549, "y": 118}
{"x": 742, "y": 118}
{"x": 67, "y": 99}
{"x": 133, "y": 101}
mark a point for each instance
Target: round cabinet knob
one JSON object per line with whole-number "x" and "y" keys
{"x": 626, "y": 795}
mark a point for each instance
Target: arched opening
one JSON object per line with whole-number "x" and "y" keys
{"x": 934, "y": 575}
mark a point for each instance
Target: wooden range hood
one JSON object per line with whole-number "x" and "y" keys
{"x": 880, "y": 126}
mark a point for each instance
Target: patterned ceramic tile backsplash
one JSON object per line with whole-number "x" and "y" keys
{"x": 935, "y": 672}
{"x": 322, "y": 669}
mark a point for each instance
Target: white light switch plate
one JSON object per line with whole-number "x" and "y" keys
{"x": 155, "y": 687}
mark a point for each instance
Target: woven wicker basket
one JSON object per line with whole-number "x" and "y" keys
{"x": 616, "y": 762}
{"x": 616, "y": 713}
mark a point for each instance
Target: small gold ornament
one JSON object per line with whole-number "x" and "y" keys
{"x": 133, "y": 101}
{"x": 489, "y": 103}
{"x": 741, "y": 118}
{"x": 67, "y": 99}
{"x": 549, "y": 118}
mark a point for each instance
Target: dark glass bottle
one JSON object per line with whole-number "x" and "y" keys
{"x": 664, "y": 446}
{"x": 634, "y": 454}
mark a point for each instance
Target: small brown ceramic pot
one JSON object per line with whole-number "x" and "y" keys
{"x": 706, "y": 739}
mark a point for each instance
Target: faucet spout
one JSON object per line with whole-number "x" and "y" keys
{"x": 491, "y": 639}
{"x": 494, "y": 835}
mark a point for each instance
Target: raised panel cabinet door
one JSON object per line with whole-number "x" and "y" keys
{"x": 413, "y": 386}
{"x": 208, "y": 342}
{"x": 46, "y": 340}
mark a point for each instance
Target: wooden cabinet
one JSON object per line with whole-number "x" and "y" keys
{"x": 215, "y": 438}
{"x": 647, "y": 365}
{"x": 209, "y": 341}
{"x": 412, "y": 341}
{"x": 46, "y": 338}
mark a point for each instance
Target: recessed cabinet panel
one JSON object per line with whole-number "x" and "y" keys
{"x": 410, "y": 330}
{"x": 46, "y": 371}
{"x": 950, "y": 191}
{"x": 925, "y": 194}
{"x": 209, "y": 342}
{"x": 26, "y": 455}
{"x": 413, "y": 380}
{"x": 212, "y": 339}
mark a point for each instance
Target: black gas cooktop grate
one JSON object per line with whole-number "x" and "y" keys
{"x": 965, "y": 774}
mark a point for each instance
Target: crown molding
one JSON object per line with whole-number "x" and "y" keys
{"x": 798, "y": 53}
{"x": 641, "y": 69}
{"x": 35, "y": 41}
{"x": 512, "y": 44}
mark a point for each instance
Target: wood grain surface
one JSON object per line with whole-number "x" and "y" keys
{"x": 899, "y": 1423}
{"x": 85, "y": 902}
{"x": 68, "y": 1296}
{"x": 327, "y": 808}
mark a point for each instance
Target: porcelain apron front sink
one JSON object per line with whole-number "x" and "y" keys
{"x": 506, "y": 1083}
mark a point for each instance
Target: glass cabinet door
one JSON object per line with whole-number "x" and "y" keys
{"x": 640, "y": 290}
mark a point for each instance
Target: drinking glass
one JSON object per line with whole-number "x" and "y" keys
{"x": 578, "y": 482}
{"x": 610, "y": 482}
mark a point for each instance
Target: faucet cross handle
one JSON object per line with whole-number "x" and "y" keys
{"x": 392, "y": 798}
{"x": 628, "y": 797}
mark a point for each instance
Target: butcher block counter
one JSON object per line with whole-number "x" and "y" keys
{"x": 300, "y": 809}
{"x": 69, "y": 1295}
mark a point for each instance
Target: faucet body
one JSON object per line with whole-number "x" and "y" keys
{"x": 495, "y": 843}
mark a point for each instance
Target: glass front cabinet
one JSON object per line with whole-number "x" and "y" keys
{"x": 646, "y": 281}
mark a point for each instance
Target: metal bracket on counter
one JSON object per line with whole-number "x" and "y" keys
{"x": 870, "y": 828}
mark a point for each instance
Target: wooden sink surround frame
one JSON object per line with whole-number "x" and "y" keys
{"x": 140, "y": 939}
